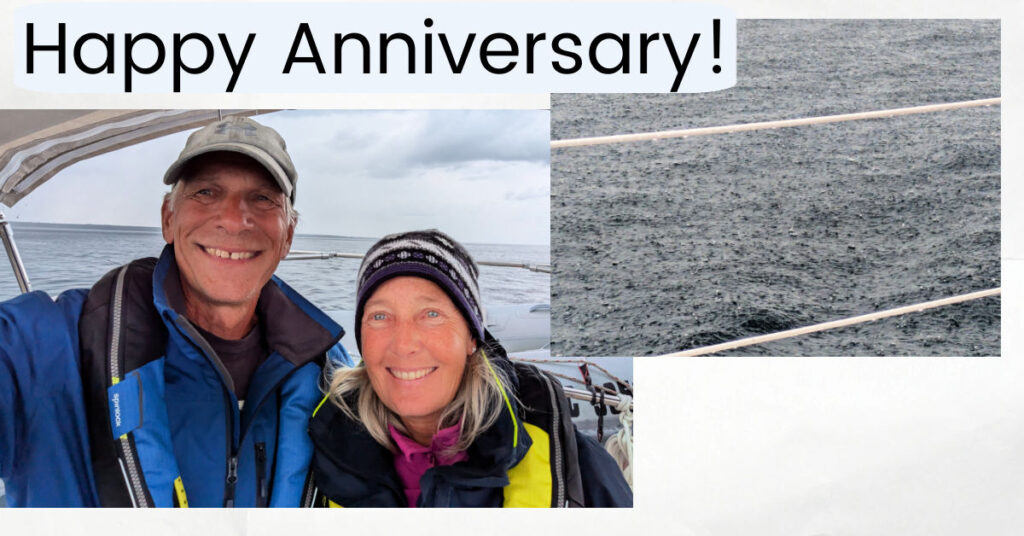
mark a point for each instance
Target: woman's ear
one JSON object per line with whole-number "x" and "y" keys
{"x": 470, "y": 346}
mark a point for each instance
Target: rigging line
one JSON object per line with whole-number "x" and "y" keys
{"x": 607, "y": 390}
{"x": 760, "y": 339}
{"x": 763, "y": 125}
{"x": 573, "y": 361}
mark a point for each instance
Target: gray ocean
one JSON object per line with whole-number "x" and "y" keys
{"x": 60, "y": 257}
{"x": 664, "y": 246}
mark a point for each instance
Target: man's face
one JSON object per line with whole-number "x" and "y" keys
{"x": 229, "y": 228}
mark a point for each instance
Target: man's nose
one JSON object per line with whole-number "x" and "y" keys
{"x": 236, "y": 214}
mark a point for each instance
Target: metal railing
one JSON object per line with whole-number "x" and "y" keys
{"x": 7, "y": 236}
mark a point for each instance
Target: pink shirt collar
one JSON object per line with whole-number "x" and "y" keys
{"x": 413, "y": 459}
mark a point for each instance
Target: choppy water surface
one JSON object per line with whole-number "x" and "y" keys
{"x": 668, "y": 245}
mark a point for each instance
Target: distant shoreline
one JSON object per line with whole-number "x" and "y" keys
{"x": 101, "y": 228}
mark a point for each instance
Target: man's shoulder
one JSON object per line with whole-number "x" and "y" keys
{"x": 38, "y": 306}
{"x": 39, "y": 333}
{"x": 38, "y": 311}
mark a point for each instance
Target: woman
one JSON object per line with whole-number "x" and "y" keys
{"x": 436, "y": 414}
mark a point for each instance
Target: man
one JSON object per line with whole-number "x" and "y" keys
{"x": 186, "y": 380}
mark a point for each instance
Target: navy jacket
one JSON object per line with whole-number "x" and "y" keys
{"x": 175, "y": 410}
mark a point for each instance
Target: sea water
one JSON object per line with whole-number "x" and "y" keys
{"x": 679, "y": 243}
{"x": 59, "y": 257}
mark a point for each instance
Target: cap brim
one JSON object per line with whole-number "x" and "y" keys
{"x": 257, "y": 154}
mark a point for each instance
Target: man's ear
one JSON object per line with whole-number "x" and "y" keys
{"x": 288, "y": 241}
{"x": 166, "y": 216}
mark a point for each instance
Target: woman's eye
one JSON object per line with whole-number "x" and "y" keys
{"x": 433, "y": 314}
{"x": 379, "y": 316}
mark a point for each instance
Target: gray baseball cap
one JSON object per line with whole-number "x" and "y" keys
{"x": 240, "y": 135}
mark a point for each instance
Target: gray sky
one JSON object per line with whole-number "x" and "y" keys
{"x": 482, "y": 176}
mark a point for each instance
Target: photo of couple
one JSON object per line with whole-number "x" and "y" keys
{"x": 201, "y": 379}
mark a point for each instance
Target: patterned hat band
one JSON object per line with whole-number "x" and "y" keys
{"x": 431, "y": 255}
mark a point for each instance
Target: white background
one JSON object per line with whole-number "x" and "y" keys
{"x": 795, "y": 446}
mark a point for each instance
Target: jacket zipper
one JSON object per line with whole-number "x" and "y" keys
{"x": 232, "y": 478}
{"x": 232, "y": 452}
{"x": 261, "y": 474}
{"x": 556, "y": 434}
{"x": 262, "y": 482}
{"x": 309, "y": 491}
{"x": 129, "y": 464}
{"x": 229, "y": 486}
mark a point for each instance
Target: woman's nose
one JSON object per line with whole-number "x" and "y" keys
{"x": 406, "y": 338}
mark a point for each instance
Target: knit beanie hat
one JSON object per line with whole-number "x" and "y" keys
{"x": 429, "y": 254}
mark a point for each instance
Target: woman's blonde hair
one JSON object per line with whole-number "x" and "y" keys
{"x": 482, "y": 395}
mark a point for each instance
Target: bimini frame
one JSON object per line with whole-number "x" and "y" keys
{"x": 7, "y": 236}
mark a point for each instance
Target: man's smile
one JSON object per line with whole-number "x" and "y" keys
{"x": 233, "y": 255}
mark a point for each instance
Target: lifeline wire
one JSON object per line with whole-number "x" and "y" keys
{"x": 574, "y": 361}
{"x": 760, "y": 339}
{"x": 745, "y": 127}
{"x": 306, "y": 255}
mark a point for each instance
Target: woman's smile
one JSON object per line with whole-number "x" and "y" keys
{"x": 413, "y": 374}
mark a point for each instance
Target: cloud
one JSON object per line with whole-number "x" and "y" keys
{"x": 398, "y": 144}
{"x": 483, "y": 176}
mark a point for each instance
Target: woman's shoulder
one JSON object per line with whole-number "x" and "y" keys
{"x": 345, "y": 457}
{"x": 330, "y": 424}
{"x": 534, "y": 387}
{"x": 546, "y": 406}
{"x": 603, "y": 483}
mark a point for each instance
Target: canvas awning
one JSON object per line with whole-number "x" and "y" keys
{"x": 36, "y": 144}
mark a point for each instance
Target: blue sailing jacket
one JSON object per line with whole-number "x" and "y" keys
{"x": 110, "y": 397}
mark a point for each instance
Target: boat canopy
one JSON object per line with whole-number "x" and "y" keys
{"x": 36, "y": 144}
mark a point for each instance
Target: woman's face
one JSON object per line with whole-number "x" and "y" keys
{"x": 414, "y": 343}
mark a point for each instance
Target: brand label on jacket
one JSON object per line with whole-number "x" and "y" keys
{"x": 124, "y": 400}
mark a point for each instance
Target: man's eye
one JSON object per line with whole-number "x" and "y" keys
{"x": 204, "y": 195}
{"x": 265, "y": 201}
